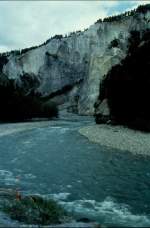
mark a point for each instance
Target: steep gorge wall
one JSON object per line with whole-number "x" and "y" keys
{"x": 72, "y": 68}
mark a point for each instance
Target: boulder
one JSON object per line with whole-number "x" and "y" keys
{"x": 102, "y": 113}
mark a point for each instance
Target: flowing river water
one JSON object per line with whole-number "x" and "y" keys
{"x": 52, "y": 159}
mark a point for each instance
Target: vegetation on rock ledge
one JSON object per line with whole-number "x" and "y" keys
{"x": 34, "y": 210}
{"x": 140, "y": 9}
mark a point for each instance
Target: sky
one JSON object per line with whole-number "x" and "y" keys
{"x": 28, "y": 23}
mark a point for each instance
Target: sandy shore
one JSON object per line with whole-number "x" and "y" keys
{"x": 118, "y": 137}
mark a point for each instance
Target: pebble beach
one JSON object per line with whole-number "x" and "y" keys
{"x": 118, "y": 137}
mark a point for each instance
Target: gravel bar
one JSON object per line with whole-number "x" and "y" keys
{"x": 118, "y": 137}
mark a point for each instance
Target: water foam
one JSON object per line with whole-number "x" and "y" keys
{"x": 107, "y": 212}
{"x": 7, "y": 177}
{"x": 59, "y": 196}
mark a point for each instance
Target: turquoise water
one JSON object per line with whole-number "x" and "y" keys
{"x": 106, "y": 185}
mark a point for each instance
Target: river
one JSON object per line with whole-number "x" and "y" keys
{"x": 52, "y": 159}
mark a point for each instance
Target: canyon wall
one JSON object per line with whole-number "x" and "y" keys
{"x": 69, "y": 70}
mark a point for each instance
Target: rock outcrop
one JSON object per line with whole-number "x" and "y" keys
{"x": 124, "y": 93}
{"x": 70, "y": 69}
{"x": 102, "y": 111}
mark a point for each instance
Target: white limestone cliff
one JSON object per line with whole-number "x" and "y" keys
{"x": 80, "y": 61}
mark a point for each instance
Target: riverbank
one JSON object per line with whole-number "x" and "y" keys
{"x": 118, "y": 137}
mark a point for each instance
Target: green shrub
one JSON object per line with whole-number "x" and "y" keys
{"x": 143, "y": 8}
{"x": 114, "y": 43}
{"x": 16, "y": 106}
{"x": 34, "y": 210}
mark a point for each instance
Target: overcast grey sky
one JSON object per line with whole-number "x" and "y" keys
{"x": 27, "y": 23}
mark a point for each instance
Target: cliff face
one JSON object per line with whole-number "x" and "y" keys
{"x": 70, "y": 69}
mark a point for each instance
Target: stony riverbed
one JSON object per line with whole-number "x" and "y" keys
{"x": 118, "y": 137}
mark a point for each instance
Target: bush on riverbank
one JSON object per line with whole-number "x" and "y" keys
{"x": 16, "y": 106}
{"x": 35, "y": 210}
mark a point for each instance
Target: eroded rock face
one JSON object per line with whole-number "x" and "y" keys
{"x": 80, "y": 61}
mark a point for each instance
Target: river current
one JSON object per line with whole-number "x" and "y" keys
{"x": 52, "y": 159}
